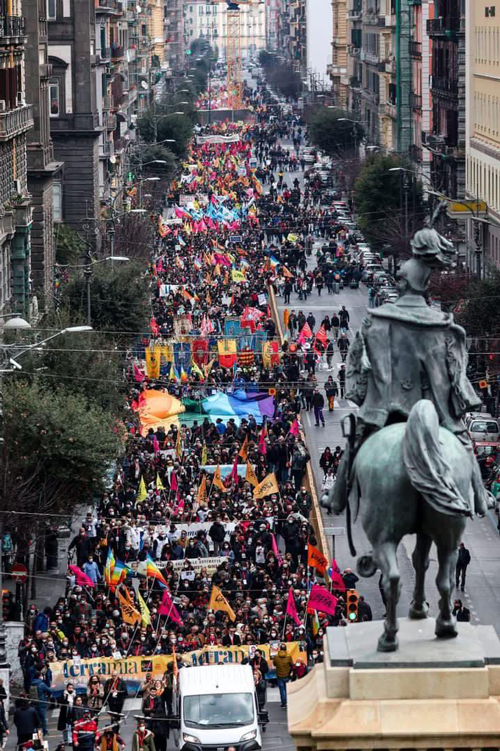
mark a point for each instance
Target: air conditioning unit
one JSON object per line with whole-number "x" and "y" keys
{"x": 3, "y": 105}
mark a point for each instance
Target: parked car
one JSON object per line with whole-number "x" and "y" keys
{"x": 484, "y": 429}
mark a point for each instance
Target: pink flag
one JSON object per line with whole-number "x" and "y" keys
{"x": 291, "y": 608}
{"x": 275, "y": 549}
{"x": 321, "y": 600}
{"x": 156, "y": 445}
{"x": 159, "y": 265}
{"x": 138, "y": 374}
{"x": 262, "y": 442}
{"x": 305, "y": 334}
{"x": 81, "y": 578}
{"x": 234, "y": 471}
{"x": 335, "y": 566}
{"x": 294, "y": 429}
{"x": 173, "y": 482}
{"x": 337, "y": 581}
{"x": 167, "y": 607}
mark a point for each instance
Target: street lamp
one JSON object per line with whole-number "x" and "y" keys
{"x": 355, "y": 130}
{"x": 88, "y": 272}
{"x": 16, "y": 323}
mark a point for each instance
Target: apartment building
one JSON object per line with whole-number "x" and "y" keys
{"x": 16, "y": 120}
{"x": 44, "y": 171}
{"x": 174, "y": 11}
{"x": 208, "y": 20}
{"x": 338, "y": 70}
{"x": 483, "y": 136}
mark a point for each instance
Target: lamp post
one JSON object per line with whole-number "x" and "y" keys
{"x": 9, "y": 356}
{"x": 354, "y": 130}
{"x": 88, "y": 272}
{"x": 158, "y": 119}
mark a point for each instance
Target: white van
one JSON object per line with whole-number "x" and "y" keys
{"x": 217, "y": 707}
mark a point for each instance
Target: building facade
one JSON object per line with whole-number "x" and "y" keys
{"x": 44, "y": 171}
{"x": 208, "y": 20}
{"x": 16, "y": 120}
{"x": 337, "y": 71}
{"x": 483, "y": 136}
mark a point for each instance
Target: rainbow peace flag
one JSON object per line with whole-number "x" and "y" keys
{"x": 108, "y": 569}
{"x": 149, "y": 568}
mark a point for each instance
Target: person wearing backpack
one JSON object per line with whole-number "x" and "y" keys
{"x": 463, "y": 561}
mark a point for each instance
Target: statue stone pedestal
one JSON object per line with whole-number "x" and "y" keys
{"x": 437, "y": 694}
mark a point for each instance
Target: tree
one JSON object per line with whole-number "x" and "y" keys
{"x": 119, "y": 297}
{"x": 56, "y": 448}
{"x": 134, "y": 234}
{"x": 332, "y": 132}
{"x": 69, "y": 245}
{"x": 385, "y": 218}
{"x": 159, "y": 123}
{"x": 150, "y": 153}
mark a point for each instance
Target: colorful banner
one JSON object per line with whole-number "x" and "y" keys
{"x": 320, "y": 599}
{"x": 133, "y": 670}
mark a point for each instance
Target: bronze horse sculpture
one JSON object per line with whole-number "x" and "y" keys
{"x": 409, "y": 467}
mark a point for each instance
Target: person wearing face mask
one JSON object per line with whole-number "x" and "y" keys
{"x": 65, "y": 719}
{"x": 143, "y": 739}
{"x": 153, "y": 708}
{"x": 95, "y": 693}
{"x": 116, "y": 692}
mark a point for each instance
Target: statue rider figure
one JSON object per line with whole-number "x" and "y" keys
{"x": 406, "y": 352}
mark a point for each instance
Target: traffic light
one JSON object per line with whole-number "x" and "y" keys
{"x": 6, "y": 604}
{"x": 352, "y": 604}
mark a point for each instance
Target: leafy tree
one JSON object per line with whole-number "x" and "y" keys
{"x": 143, "y": 161}
{"x": 119, "y": 297}
{"x": 330, "y": 132}
{"x": 69, "y": 245}
{"x": 134, "y": 234}
{"x": 379, "y": 199}
{"x": 56, "y": 448}
{"x": 159, "y": 123}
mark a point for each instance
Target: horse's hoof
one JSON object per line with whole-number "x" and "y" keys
{"x": 446, "y": 629}
{"x": 387, "y": 643}
{"x": 418, "y": 611}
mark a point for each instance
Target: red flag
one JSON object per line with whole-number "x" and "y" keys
{"x": 291, "y": 608}
{"x": 199, "y": 352}
{"x": 81, "y": 578}
{"x": 335, "y": 566}
{"x": 321, "y": 335}
{"x": 155, "y": 329}
{"x": 168, "y": 608}
{"x": 173, "y": 482}
{"x": 337, "y": 581}
{"x": 305, "y": 334}
{"x": 156, "y": 445}
{"x": 276, "y": 550}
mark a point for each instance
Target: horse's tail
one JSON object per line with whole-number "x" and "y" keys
{"x": 427, "y": 468}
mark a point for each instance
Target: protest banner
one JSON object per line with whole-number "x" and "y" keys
{"x": 134, "y": 670}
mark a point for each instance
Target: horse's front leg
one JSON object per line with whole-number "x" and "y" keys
{"x": 386, "y": 558}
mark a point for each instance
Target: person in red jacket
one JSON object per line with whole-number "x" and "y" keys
{"x": 85, "y": 733}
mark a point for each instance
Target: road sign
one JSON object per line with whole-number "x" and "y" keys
{"x": 19, "y": 573}
{"x": 334, "y": 531}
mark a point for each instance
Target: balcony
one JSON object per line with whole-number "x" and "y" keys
{"x": 104, "y": 53}
{"x": 445, "y": 85}
{"x": 109, "y": 121}
{"x": 416, "y": 50}
{"x": 45, "y": 70}
{"x": 416, "y": 101}
{"x": 372, "y": 58}
{"x": 12, "y": 27}
{"x": 354, "y": 83}
{"x": 117, "y": 52}
{"x": 356, "y": 14}
{"x": 443, "y": 27}
{"x": 14, "y": 122}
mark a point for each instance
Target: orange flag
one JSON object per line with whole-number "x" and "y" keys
{"x": 217, "y": 480}
{"x": 202, "y": 490}
{"x": 250, "y": 476}
{"x": 243, "y": 452}
{"x": 316, "y": 559}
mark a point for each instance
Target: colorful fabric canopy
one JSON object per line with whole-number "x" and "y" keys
{"x": 237, "y": 405}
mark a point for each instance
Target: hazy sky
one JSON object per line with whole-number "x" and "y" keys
{"x": 319, "y": 35}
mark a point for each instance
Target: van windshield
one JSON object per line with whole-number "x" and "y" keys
{"x": 218, "y": 710}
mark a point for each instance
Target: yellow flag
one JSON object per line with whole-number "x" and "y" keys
{"x": 141, "y": 492}
{"x": 217, "y": 480}
{"x": 250, "y": 476}
{"x": 202, "y": 490}
{"x": 152, "y": 364}
{"x": 159, "y": 484}
{"x": 237, "y": 276}
{"x": 145, "y": 614}
{"x": 204, "y": 455}
{"x": 129, "y": 613}
{"x": 219, "y": 602}
{"x": 243, "y": 452}
{"x": 268, "y": 485}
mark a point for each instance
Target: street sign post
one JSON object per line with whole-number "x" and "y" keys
{"x": 334, "y": 531}
{"x": 19, "y": 573}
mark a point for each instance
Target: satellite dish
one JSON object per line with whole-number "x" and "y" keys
{"x": 112, "y": 159}
{"x": 144, "y": 84}
{"x": 138, "y": 9}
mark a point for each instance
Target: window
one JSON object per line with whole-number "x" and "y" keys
{"x": 57, "y": 201}
{"x": 54, "y": 103}
{"x": 51, "y": 9}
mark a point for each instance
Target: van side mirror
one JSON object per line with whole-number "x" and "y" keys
{"x": 175, "y": 722}
{"x": 263, "y": 717}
